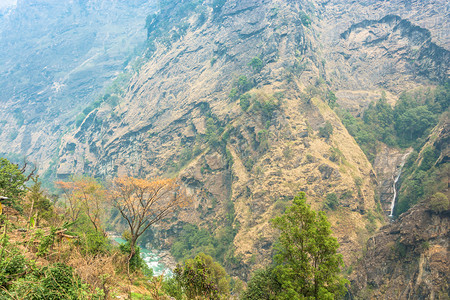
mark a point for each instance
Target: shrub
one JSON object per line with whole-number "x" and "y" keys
{"x": 234, "y": 94}
{"x": 243, "y": 84}
{"x": 203, "y": 277}
{"x": 256, "y": 64}
{"x": 326, "y": 130}
{"x": 245, "y": 102}
{"x": 439, "y": 203}
{"x": 331, "y": 201}
{"x": 262, "y": 285}
{"x": 305, "y": 19}
{"x": 136, "y": 262}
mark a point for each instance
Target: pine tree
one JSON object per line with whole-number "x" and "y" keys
{"x": 307, "y": 262}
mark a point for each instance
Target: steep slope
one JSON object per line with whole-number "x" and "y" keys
{"x": 242, "y": 161}
{"x": 393, "y": 46}
{"x": 56, "y": 58}
{"x": 408, "y": 259}
{"x": 234, "y": 100}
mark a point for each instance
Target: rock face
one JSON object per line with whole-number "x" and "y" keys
{"x": 56, "y": 58}
{"x": 388, "y": 166}
{"x": 407, "y": 259}
{"x": 232, "y": 98}
{"x": 242, "y": 163}
{"x": 393, "y": 46}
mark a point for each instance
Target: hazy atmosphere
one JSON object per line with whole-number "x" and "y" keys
{"x": 224, "y": 149}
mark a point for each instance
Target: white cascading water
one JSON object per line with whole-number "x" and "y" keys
{"x": 395, "y": 182}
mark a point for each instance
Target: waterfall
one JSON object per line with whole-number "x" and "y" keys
{"x": 395, "y": 182}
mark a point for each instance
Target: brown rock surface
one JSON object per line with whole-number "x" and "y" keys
{"x": 407, "y": 259}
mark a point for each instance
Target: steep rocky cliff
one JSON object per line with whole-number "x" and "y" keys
{"x": 408, "y": 259}
{"x": 235, "y": 99}
{"x": 56, "y": 58}
{"x": 388, "y": 166}
{"x": 242, "y": 156}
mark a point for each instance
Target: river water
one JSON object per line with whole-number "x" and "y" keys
{"x": 152, "y": 258}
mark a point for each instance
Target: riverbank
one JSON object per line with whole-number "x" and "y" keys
{"x": 160, "y": 261}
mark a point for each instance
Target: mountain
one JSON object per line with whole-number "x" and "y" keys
{"x": 239, "y": 99}
{"x": 235, "y": 98}
{"x": 56, "y": 58}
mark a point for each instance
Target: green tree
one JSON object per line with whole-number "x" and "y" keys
{"x": 413, "y": 123}
{"x": 12, "y": 181}
{"x": 326, "y": 130}
{"x": 256, "y": 64}
{"x": 203, "y": 278}
{"x": 262, "y": 286}
{"x": 307, "y": 262}
{"x": 439, "y": 203}
{"x": 38, "y": 203}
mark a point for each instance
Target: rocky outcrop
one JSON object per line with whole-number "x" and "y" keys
{"x": 242, "y": 163}
{"x": 388, "y": 166}
{"x": 407, "y": 259}
{"x": 369, "y": 46}
{"x": 56, "y": 58}
{"x": 233, "y": 100}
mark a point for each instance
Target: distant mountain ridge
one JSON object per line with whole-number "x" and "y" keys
{"x": 56, "y": 58}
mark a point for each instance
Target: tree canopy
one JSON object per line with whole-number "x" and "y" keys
{"x": 307, "y": 262}
{"x": 143, "y": 202}
{"x": 203, "y": 277}
{"x": 12, "y": 181}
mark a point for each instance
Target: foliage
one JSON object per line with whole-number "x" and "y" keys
{"x": 84, "y": 195}
{"x": 90, "y": 240}
{"x": 172, "y": 288}
{"x": 307, "y": 263}
{"x": 305, "y": 19}
{"x": 12, "y": 263}
{"x": 203, "y": 277}
{"x": 363, "y": 134}
{"x": 263, "y": 285}
{"x": 331, "y": 201}
{"x": 266, "y": 107}
{"x": 331, "y": 99}
{"x": 23, "y": 279}
{"x": 405, "y": 125}
{"x": 256, "y": 64}
{"x": 143, "y": 202}
{"x": 193, "y": 240}
{"x": 380, "y": 119}
{"x": 423, "y": 177}
{"x": 38, "y": 204}
{"x": 47, "y": 242}
{"x": 234, "y": 94}
{"x": 136, "y": 262}
{"x": 414, "y": 122}
{"x": 244, "y": 101}
{"x": 439, "y": 202}
{"x": 12, "y": 181}
{"x": 54, "y": 282}
{"x": 243, "y": 84}
{"x": 326, "y": 130}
